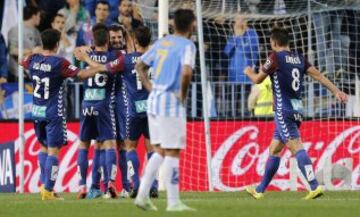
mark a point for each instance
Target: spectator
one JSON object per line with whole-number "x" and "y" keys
{"x": 32, "y": 38}
{"x": 67, "y": 44}
{"x": 260, "y": 99}
{"x": 114, "y": 12}
{"x": 75, "y": 15}
{"x": 242, "y": 49}
{"x": 3, "y": 61}
{"x": 84, "y": 36}
{"x": 130, "y": 18}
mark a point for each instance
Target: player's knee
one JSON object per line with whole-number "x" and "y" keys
{"x": 53, "y": 151}
{"x": 274, "y": 151}
{"x": 294, "y": 145}
{"x": 43, "y": 148}
{"x": 84, "y": 144}
{"x": 172, "y": 152}
{"x": 109, "y": 144}
{"x": 130, "y": 145}
{"x": 159, "y": 150}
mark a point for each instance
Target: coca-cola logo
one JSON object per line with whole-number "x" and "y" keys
{"x": 240, "y": 160}
{"x": 67, "y": 179}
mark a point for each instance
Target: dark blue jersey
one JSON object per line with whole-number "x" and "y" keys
{"x": 48, "y": 74}
{"x": 134, "y": 94}
{"x": 287, "y": 70}
{"x": 100, "y": 89}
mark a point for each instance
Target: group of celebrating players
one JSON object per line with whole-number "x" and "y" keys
{"x": 121, "y": 104}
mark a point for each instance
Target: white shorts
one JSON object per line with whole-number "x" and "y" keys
{"x": 169, "y": 132}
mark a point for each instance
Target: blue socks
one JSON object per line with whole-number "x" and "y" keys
{"x": 51, "y": 170}
{"x": 104, "y": 170}
{"x": 271, "y": 167}
{"x": 133, "y": 163}
{"x": 155, "y": 184}
{"x": 305, "y": 165}
{"x": 83, "y": 165}
{"x": 123, "y": 169}
{"x": 42, "y": 156}
{"x": 110, "y": 156}
{"x": 96, "y": 170}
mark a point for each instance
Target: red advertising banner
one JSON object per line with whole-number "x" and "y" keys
{"x": 238, "y": 156}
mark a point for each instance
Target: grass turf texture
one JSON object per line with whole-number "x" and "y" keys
{"x": 219, "y": 204}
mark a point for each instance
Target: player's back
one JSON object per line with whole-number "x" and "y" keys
{"x": 99, "y": 89}
{"x": 288, "y": 80}
{"x": 47, "y": 74}
{"x": 169, "y": 54}
{"x": 133, "y": 88}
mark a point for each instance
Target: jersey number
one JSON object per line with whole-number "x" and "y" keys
{"x": 296, "y": 79}
{"x": 39, "y": 82}
{"x": 138, "y": 81}
{"x": 162, "y": 55}
{"x": 99, "y": 79}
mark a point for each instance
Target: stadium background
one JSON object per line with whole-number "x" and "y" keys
{"x": 239, "y": 140}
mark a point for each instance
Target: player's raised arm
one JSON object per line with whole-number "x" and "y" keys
{"x": 315, "y": 74}
{"x": 142, "y": 69}
{"x": 69, "y": 70}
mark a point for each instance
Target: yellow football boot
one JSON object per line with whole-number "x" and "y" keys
{"x": 318, "y": 192}
{"x": 252, "y": 191}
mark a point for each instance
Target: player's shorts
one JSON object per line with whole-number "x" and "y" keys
{"x": 169, "y": 132}
{"x": 51, "y": 133}
{"x": 287, "y": 126}
{"x": 97, "y": 123}
{"x": 135, "y": 127}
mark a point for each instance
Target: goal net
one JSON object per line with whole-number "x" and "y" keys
{"x": 236, "y": 35}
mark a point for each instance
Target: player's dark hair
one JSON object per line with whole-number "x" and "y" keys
{"x": 101, "y": 35}
{"x": 143, "y": 35}
{"x": 183, "y": 19}
{"x": 50, "y": 39}
{"x": 30, "y": 11}
{"x": 103, "y": 2}
{"x": 57, "y": 15}
{"x": 117, "y": 28}
{"x": 280, "y": 36}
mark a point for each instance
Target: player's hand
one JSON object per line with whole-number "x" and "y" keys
{"x": 248, "y": 70}
{"x": 3, "y": 80}
{"x": 80, "y": 54}
{"x": 341, "y": 96}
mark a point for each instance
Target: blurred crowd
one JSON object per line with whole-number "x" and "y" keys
{"x": 231, "y": 44}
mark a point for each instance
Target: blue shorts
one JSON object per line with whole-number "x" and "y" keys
{"x": 51, "y": 133}
{"x": 97, "y": 123}
{"x": 287, "y": 126}
{"x": 135, "y": 127}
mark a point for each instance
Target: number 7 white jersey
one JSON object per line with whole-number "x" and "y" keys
{"x": 287, "y": 70}
{"x": 167, "y": 57}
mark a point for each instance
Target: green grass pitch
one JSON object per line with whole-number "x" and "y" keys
{"x": 218, "y": 204}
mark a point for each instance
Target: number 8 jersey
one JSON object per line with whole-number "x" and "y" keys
{"x": 286, "y": 70}
{"x": 47, "y": 74}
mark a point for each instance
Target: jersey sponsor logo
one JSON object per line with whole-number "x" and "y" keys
{"x": 39, "y": 111}
{"x": 94, "y": 94}
{"x": 42, "y": 67}
{"x": 90, "y": 111}
{"x": 297, "y": 105}
{"x": 141, "y": 106}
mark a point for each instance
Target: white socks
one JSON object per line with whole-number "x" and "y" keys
{"x": 149, "y": 176}
{"x": 171, "y": 175}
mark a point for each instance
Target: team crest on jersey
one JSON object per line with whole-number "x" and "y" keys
{"x": 72, "y": 67}
{"x": 114, "y": 63}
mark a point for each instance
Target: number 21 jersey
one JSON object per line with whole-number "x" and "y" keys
{"x": 48, "y": 74}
